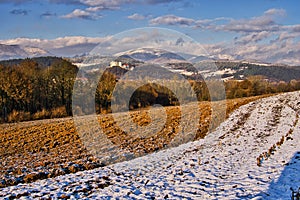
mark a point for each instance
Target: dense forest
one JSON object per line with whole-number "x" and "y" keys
{"x": 41, "y": 88}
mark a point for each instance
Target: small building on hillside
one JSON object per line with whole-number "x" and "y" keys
{"x": 115, "y": 64}
{"x": 126, "y": 66}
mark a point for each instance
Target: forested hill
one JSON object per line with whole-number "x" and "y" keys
{"x": 272, "y": 72}
{"x": 41, "y": 62}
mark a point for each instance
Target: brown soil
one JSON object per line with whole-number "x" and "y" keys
{"x": 48, "y": 148}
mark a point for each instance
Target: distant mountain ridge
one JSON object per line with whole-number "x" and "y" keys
{"x": 214, "y": 69}
{"x": 191, "y": 66}
{"x": 152, "y": 55}
{"x": 16, "y": 51}
{"x": 208, "y": 67}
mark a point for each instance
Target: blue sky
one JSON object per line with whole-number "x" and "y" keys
{"x": 212, "y": 23}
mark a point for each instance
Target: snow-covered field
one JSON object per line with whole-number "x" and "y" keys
{"x": 245, "y": 158}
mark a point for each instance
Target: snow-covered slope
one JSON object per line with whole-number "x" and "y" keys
{"x": 16, "y": 51}
{"x": 35, "y": 51}
{"x": 152, "y": 55}
{"x": 245, "y": 158}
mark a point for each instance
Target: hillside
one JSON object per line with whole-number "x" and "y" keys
{"x": 239, "y": 70}
{"x": 224, "y": 70}
{"x": 253, "y": 154}
{"x": 42, "y": 62}
{"x": 197, "y": 67}
{"x": 18, "y": 52}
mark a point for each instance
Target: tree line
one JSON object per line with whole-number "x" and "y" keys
{"x": 30, "y": 90}
{"x": 38, "y": 89}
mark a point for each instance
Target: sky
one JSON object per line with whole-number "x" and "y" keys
{"x": 264, "y": 30}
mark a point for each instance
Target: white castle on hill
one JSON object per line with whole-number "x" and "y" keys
{"x": 120, "y": 64}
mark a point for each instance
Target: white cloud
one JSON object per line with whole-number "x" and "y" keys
{"x": 95, "y": 6}
{"x": 150, "y": 38}
{"x": 53, "y": 44}
{"x": 78, "y": 13}
{"x": 118, "y": 3}
{"x": 136, "y": 16}
{"x": 256, "y": 24}
{"x": 172, "y": 20}
{"x": 253, "y": 37}
{"x": 92, "y": 7}
{"x": 286, "y": 52}
{"x": 100, "y": 8}
{"x": 286, "y": 35}
{"x": 160, "y": 1}
{"x": 274, "y": 11}
{"x": 105, "y": 3}
{"x": 265, "y": 22}
{"x": 295, "y": 28}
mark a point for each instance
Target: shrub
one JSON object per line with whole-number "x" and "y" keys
{"x": 59, "y": 112}
{"x": 43, "y": 114}
{"x": 17, "y": 116}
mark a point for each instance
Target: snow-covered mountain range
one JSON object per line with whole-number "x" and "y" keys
{"x": 193, "y": 66}
{"x": 197, "y": 67}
